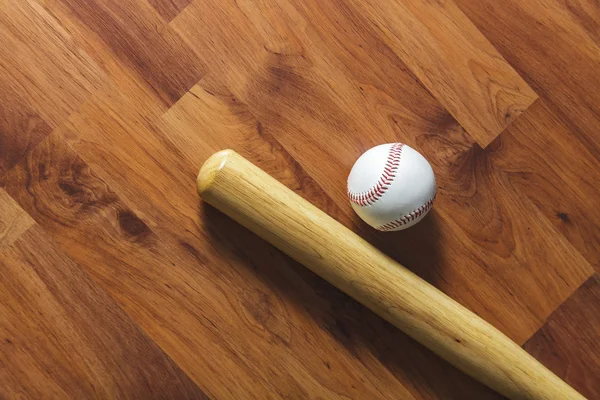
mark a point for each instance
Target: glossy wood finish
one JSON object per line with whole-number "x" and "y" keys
{"x": 455, "y": 62}
{"x": 571, "y": 115}
{"x": 250, "y": 196}
{"x": 575, "y": 320}
{"x": 107, "y": 110}
{"x": 63, "y": 337}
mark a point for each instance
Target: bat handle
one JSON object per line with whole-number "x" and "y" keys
{"x": 250, "y": 196}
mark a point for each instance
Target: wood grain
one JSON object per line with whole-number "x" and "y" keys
{"x": 193, "y": 292}
{"x": 455, "y": 62}
{"x": 554, "y": 46}
{"x": 21, "y": 128}
{"x": 542, "y": 159}
{"x": 297, "y": 104}
{"x": 14, "y": 221}
{"x": 139, "y": 38}
{"x": 256, "y": 200}
{"x": 565, "y": 128}
{"x": 107, "y": 109}
{"x": 302, "y": 34}
{"x": 63, "y": 337}
{"x": 40, "y": 61}
{"x": 169, "y": 9}
{"x": 576, "y": 320}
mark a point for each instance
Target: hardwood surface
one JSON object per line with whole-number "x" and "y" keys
{"x": 117, "y": 281}
{"x": 576, "y": 320}
{"x": 250, "y": 196}
{"x": 63, "y": 336}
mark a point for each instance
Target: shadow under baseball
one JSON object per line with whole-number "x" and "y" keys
{"x": 416, "y": 248}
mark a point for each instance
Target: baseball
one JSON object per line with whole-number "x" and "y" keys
{"x": 391, "y": 187}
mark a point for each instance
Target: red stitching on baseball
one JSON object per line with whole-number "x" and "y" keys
{"x": 389, "y": 173}
{"x": 408, "y": 218}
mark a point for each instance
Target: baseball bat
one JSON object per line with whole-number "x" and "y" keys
{"x": 256, "y": 200}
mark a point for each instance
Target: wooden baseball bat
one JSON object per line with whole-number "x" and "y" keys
{"x": 247, "y": 194}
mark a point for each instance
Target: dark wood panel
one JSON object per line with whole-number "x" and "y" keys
{"x": 21, "y": 128}
{"x": 568, "y": 342}
{"x": 541, "y": 158}
{"x": 63, "y": 337}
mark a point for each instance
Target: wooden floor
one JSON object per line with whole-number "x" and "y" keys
{"x": 117, "y": 282}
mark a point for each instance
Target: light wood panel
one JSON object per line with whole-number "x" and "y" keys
{"x": 40, "y": 62}
{"x": 564, "y": 131}
{"x": 455, "y": 62}
{"x": 63, "y": 337}
{"x": 14, "y": 221}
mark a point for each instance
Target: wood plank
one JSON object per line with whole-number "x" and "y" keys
{"x": 169, "y": 9}
{"x": 325, "y": 114}
{"x": 455, "y": 62}
{"x": 554, "y": 46}
{"x": 564, "y": 129}
{"x": 480, "y": 89}
{"x": 21, "y": 128}
{"x": 63, "y": 337}
{"x": 244, "y": 305}
{"x": 40, "y": 62}
{"x": 540, "y": 157}
{"x": 138, "y": 37}
{"x": 294, "y": 54}
{"x": 14, "y": 221}
{"x": 568, "y": 342}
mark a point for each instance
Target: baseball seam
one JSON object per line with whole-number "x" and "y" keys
{"x": 416, "y": 213}
{"x": 387, "y": 177}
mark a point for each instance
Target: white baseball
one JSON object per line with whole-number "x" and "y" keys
{"x": 391, "y": 187}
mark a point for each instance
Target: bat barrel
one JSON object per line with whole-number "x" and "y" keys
{"x": 250, "y": 196}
